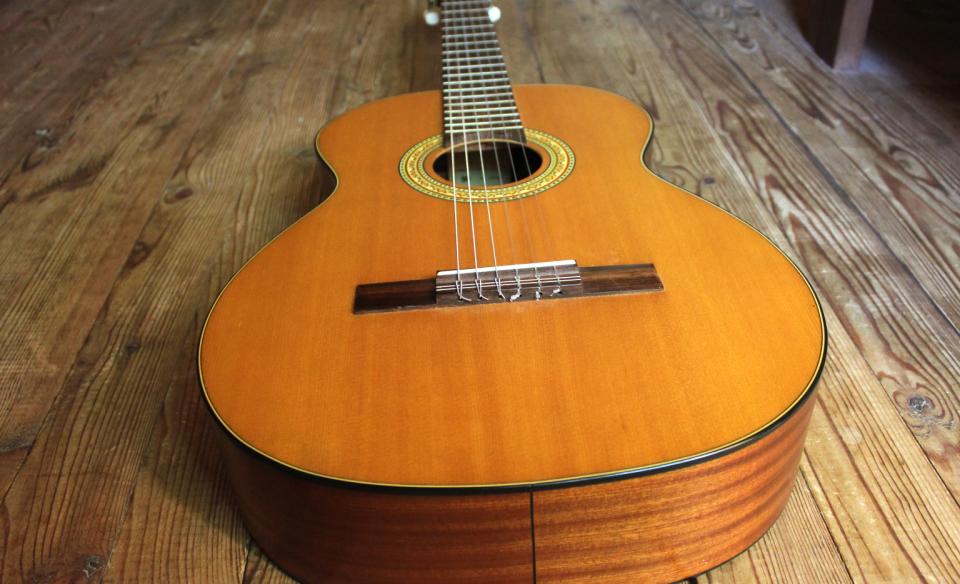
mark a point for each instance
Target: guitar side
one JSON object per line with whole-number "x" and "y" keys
{"x": 656, "y": 528}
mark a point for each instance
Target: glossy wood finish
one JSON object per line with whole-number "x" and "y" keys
{"x": 656, "y": 528}
{"x": 668, "y": 526}
{"x": 323, "y": 533}
{"x": 733, "y": 341}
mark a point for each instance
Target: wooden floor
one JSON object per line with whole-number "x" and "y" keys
{"x": 148, "y": 148}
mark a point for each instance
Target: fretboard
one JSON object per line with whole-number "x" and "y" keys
{"x": 478, "y": 102}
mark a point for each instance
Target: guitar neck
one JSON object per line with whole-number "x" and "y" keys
{"x": 478, "y": 100}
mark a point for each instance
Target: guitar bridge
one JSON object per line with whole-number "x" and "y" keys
{"x": 506, "y": 284}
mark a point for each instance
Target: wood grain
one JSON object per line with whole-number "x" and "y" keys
{"x": 672, "y": 525}
{"x": 870, "y": 504}
{"x": 323, "y": 533}
{"x": 100, "y": 176}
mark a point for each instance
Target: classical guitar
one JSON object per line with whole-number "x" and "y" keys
{"x": 504, "y": 350}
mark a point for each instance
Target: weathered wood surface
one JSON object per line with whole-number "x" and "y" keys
{"x": 149, "y": 148}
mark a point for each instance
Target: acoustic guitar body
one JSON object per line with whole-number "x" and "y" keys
{"x": 621, "y": 437}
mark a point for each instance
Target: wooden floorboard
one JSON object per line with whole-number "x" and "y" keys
{"x": 72, "y": 216}
{"x": 148, "y": 149}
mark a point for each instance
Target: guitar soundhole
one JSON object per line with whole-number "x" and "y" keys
{"x": 490, "y": 164}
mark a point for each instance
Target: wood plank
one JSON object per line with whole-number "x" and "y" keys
{"x": 892, "y": 168}
{"x": 78, "y": 541}
{"x": 260, "y": 570}
{"x": 895, "y": 80}
{"x": 73, "y": 218}
{"x": 67, "y": 51}
{"x": 279, "y": 178}
{"x": 29, "y": 30}
{"x": 181, "y": 478}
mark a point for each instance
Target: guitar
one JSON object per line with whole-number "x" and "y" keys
{"x": 504, "y": 350}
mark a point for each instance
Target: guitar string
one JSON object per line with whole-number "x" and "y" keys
{"x": 511, "y": 146}
{"x": 484, "y": 68}
{"x": 544, "y": 224}
{"x": 483, "y": 173}
{"x": 453, "y": 182}
{"x": 477, "y": 278}
{"x": 518, "y": 291}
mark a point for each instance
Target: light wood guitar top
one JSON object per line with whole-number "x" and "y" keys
{"x": 509, "y": 393}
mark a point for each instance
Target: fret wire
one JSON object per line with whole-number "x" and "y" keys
{"x": 494, "y": 88}
{"x": 453, "y": 115}
{"x": 494, "y": 43}
{"x": 462, "y": 129}
{"x": 480, "y": 83}
{"x": 470, "y": 89}
{"x": 468, "y": 34}
{"x": 484, "y": 109}
{"x": 462, "y": 97}
{"x": 472, "y": 59}
{"x": 504, "y": 93}
{"x": 467, "y": 26}
{"x": 500, "y": 117}
{"x": 487, "y": 102}
{"x": 476, "y": 20}
{"x": 479, "y": 66}
{"x": 491, "y": 50}
{"x": 480, "y": 11}
{"x": 479, "y": 74}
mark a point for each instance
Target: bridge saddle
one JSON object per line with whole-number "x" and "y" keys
{"x": 512, "y": 283}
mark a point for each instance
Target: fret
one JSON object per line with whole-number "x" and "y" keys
{"x": 486, "y": 82}
{"x": 461, "y": 99}
{"x": 487, "y": 26}
{"x": 479, "y": 74}
{"x": 502, "y": 94}
{"x": 465, "y": 129}
{"x": 479, "y": 66}
{"x": 469, "y": 34}
{"x": 476, "y": 21}
{"x": 496, "y": 101}
{"x": 481, "y": 109}
{"x": 473, "y": 52}
{"x": 452, "y": 6}
{"x": 471, "y": 59}
{"x": 499, "y": 118}
{"x": 472, "y": 44}
{"x": 505, "y": 87}
{"x": 507, "y": 101}
{"x": 479, "y": 82}
{"x": 455, "y": 114}
{"x": 482, "y": 11}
